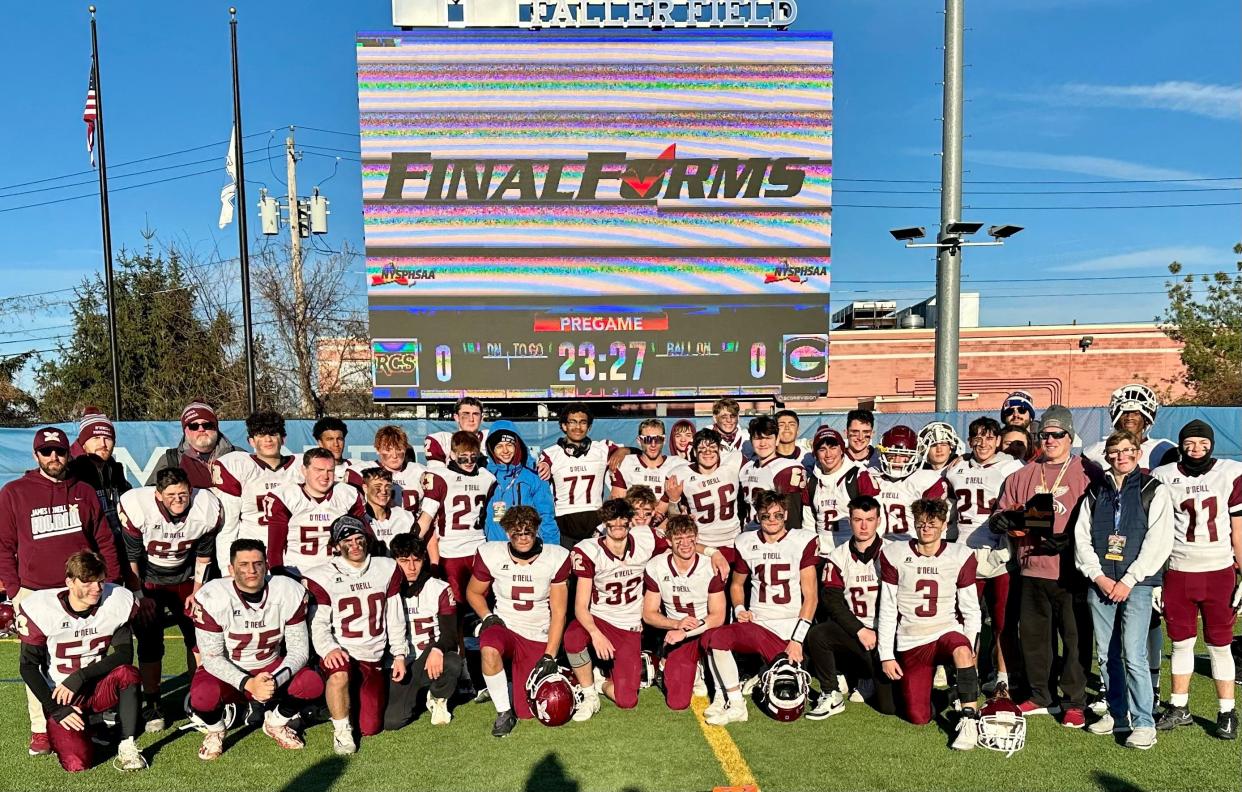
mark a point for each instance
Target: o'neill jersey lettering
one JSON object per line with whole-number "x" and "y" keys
{"x": 44, "y": 618}
{"x": 423, "y": 611}
{"x": 358, "y": 609}
{"x": 242, "y": 481}
{"x": 169, "y": 543}
{"x": 578, "y": 482}
{"x": 974, "y": 489}
{"x": 858, "y": 579}
{"x": 682, "y": 594}
{"x": 522, "y": 590}
{"x": 617, "y": 581}
{"x": 399, "y": 521}
{"x": 925, "y": 597}
{"x": 775, "y": 570}
{"x": 632, "y": 471}
{"x": 1203, "y": 506}
{"x": 455, "y": 501}
{"x": 896, "y": 496}
{"x": 299, "y": 526}
{"x": 711, "y": 499}
{"x": 253, "y": 633}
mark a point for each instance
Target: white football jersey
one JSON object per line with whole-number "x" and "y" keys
{"x": 632, "y": 471}
{"x": 455, "y": 502}
{"x": 423, "y": 611}
{"x": 681, "y": 594}
{"x": 73, "y": 642}
{"x": 522, "y": 590}
{"x": 1151, "y": 453}
{"x": 170, "y": 545}
{"x": 711, "y": 499}
{"x": 407, "y": 486}
{"x": 578, "y": 482}
{"x": 830, "y": 500}
{"x": 254, "y": 634}
{"x": 776, "y": 473}
{"x": 349, "y": 471}
{"x": 438, "y": 445}
{"x": 974, "y": 489}
{"x": 858, "y": 579}
{"x": 775, "y": 570}
{"x": 399, "y": 521}
{"x": 925, "y": 597}
{"x": 242, "y": 481}
{"x": 299, "y": 526}
{"x": 1202, "y": 507}
{"x": 896, "y": 496}
{"x": 358, "y": 609}
{"x": 617, "y": 581}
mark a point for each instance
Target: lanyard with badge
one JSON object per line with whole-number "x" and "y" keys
{"x": 1041, "y": 508}
{"x": 1116, "y": 542}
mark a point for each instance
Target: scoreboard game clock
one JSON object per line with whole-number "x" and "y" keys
{"x": 597, "y": 214}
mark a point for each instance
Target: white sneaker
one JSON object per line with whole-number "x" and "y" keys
{"x": 128, "y": 757}
{"x": 734, "y": 713}
{"x": 599, "y": 678}
{"x": 213, "y": 745}
{"x": 748, "y": 685}
{"x": 716, "y": 707}
{"x": 589, "y": 705}
{"x": 700, "y": 684}
{"x": 941, "y": 679}
{"x": 343, "y": 742}
{"x": 440, "y": 714}
{"x": 827, "y": 705}
{"x": 967, "y": 733}
{"x": 1102, "y": 726}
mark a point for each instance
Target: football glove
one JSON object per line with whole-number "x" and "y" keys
{"x": 1237, "y": 597}
{"x": 492, "y": 619}
{"x": 547, "y": 665}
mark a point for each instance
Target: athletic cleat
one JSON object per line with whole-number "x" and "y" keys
{"x": 128, "y": 757}
{"x": 734, "y": 713}
{"x": 1227, "y": 725}
{"x": 716, "y": 707}
{"x": 343, "y": 742}
{"x": 40, "y": 745}
{"x": 589, "y": 705}
{"x": 1073, "y": 718}
{"x": 284, "y": 736}
{"x": 967, "y": 731}
{"x": 1104, "y": 725}
{"x": 213, "y": 745}
{"x": 505, "y": 723}
{"x": 153, "y": 716}
{"x": 440, "y": 714}
{"x": 826, "y": 705}
{"x": 1174, "y": 717}
{"x": 748, "y": 685}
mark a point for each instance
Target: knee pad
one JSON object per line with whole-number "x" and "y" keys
{"x": 1223, "y": 665}
{"x": 1182, "y": 662}
{"x": 578, "y": 659}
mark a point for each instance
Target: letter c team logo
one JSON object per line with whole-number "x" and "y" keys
{"x": 805, "y": 358}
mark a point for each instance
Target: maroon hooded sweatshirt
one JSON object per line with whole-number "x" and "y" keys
{"x": 42, "y": 523}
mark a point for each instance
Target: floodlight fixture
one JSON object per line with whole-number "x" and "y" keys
{"x": 1003, "y": 231}
{"x": 908, "y": 234}
{"x": 962, "y": 228}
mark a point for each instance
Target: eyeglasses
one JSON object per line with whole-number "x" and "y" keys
{"x": 1053, "y": 435}
{"x": 466, "y": 459}
{"x": 201, "y": 426}
{"x": 650, "y": 439}
{"x": 926, "y": 524}
{"x": 1114, "y": 453}
{"x": 520, "y": 532}
{"x": 772, "y": 517}
{"x": 52, "y": 451}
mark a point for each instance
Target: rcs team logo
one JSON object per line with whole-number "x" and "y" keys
{"x": 805, "y": 358}
{"x": 394, "y": 362}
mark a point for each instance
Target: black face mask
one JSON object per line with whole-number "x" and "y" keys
{"x": 1197, "y": 467}
{"x": 574, "y": 449}
{"x": 535, "y": 550}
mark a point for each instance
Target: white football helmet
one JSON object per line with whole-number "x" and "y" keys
{"x": 1002, "y": 726}
{"x": 783, "y": 690}
{"x": 935, "y": 433}
{"x": 1134, "y": 397}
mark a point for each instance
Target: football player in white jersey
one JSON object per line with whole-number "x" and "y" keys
{"x": 974, "y": 484}
{"x": 300, "y": 516}
{"x": 1133, "y": 408}
{"x": 684, "y": 597}
{"x": 330, "y": 434}
{"x": 833, "y": 483}
{"x": 76, "y": 653}
{"x": 707, "y": 490}
{"x": 386, "y": 522}
{"x": 577, "y": 466}
{"x": 392, "y": 447}
{"x": 901, "y": 481}
{"x": 242, "y": 480}
{"x": 432, "y": 663}
{"x": 850, "y": 593}
{"x": 468, "y": 412}
{"x": 254, "y": 643}
{"x": 939, "y": 446}
{"x": 780, "y": 565}
{"x": 359, "y": 618}
{"x": 767, "y": 470}
{"x": 929, "y": 614}
{"x": 650, "y": 466}
{"x": 725, "y": 414}
{"x": 608, "y": 607}
{"x": 1201, "y": 579}
{"x": 451, "y": 518}
{"x": 643, "y": 501}
{"x": 529, "y": 581}
{"x": 170, "y": 535}
{"x": 859, "y": 429}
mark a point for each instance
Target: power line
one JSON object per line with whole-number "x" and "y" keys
{"x": 1044, "y": 208}
{"x": 1046, "y": 181}
{"x": 118, "y": 176}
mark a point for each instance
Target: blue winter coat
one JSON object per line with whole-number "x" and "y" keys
{"x": 517, "y": 484}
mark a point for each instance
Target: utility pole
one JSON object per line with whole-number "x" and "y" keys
{"x": 305, "y": 360}
{"x": 949, "y": 258}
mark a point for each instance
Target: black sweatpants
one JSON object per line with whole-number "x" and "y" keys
{"x": 1049, "y": 611}
{"x": 403, "y": 695}
{"x": 830, "y": 646}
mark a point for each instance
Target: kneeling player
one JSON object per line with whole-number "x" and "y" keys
{"x": 529, "y": 581}
{"x": 926, "y": 584}
{"x": 74, "y": 677}
{"x": 358, "y": 615}
{"x": 684, "y": 596}
{"x": 780, "y": 564}
{"x": 431, "y": 612}
{"x": 608, "y": 607}
{"x": 243, "y": 623}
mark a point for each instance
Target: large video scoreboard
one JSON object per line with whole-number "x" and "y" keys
{"x": 597, "y": 214}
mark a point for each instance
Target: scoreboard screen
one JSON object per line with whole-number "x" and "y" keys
{"x": 615, "y": 214}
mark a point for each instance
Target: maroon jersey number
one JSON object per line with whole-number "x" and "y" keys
{"x": 773, "y": 584}
{"x": 371, "y": 613}
{"x": 930, "y": 590}
{"x": 706, "y": 509}
{"x": 858, "y": 600}
{"x": 266, "y": 643}
{"x": 1209, "y": 506}
{"x": 622, "y": 592}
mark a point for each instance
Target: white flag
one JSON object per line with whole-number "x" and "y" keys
{"x": 229, "y": 190}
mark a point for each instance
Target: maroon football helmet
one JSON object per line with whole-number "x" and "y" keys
{"x": 552, "y": 696}
{"x": 783, "y": 690}
{"x": 8, "y": 619}
{"x": 900, "y": 441}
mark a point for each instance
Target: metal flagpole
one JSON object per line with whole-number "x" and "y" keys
{"x": 107, "y": 223}
{"x": 243, "y": 241}
{"x": 949, "y": 259}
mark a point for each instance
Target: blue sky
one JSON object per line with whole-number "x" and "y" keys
{"x": 1116, "y": 92}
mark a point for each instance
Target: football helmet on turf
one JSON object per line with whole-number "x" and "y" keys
{"x": 8, "y": 619}
{"x": 552, "y": 696}
{"x": 651, "y": 669}
{"x": 1134, "y": 397}
{"x": 899, "y": 442}
{"x": 783, "y": 690}
{"x": 935, "y": 433}
{"x": 230, "y": 716}
{"x": 1002, "y": 726}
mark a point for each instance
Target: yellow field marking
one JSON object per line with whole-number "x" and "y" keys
{"x": 727, "y": 752}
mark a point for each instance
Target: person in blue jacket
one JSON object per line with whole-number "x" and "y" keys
{"x": 517, "y": 484}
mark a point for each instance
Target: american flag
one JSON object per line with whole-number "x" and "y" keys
{"x": 89, "y": 115}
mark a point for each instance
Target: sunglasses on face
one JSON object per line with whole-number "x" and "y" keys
{"x": 201, "y": 426}
{"x": 518, "y": 533}
{"x": 1011, "y": 411}
{"x": 649, "y": 439}
{"x": 49, "y": 451}
{"x": 466, "y": 459}
{"x": 1053, "y": 435}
